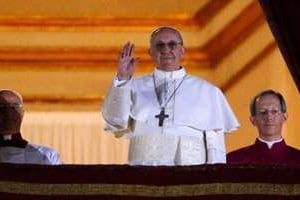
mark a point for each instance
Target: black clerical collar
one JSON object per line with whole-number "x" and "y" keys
{"x": 13, "y": 140}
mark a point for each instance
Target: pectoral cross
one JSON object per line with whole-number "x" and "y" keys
{"x": 161, "y": 117}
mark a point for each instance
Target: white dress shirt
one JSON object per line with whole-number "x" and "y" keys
{"x": 31, "y": 154}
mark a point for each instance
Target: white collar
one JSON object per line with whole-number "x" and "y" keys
{"x": 270, "y": 143}
{"x": 7, "y": 137}
{"x": 173, "y": 75}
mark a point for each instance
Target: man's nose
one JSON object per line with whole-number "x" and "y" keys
{"x": 166, "y": 47}
{"x": 270, "y": 116}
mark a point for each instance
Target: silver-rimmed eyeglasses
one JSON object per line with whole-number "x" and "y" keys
{"x": 264, "y": 113}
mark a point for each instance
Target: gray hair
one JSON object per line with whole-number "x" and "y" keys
{"x": 165, "y": 28}
{"x": 252, "y": 107}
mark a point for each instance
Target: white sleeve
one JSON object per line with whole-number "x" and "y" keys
{"x": 119, "y": 83}
{"x": 216, "y": 150}
{"x": 116, "y": 107}
{"x": 54, "y": 158}
{"x": 50, "y": 154}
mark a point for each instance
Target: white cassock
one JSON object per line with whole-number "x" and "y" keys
{"x": 193, "y": 132}
{"x": 31, "y": 154}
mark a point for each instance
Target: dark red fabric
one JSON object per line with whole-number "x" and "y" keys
{"x": 283, "y": 17}
{"x": 125, "y": 174}
{"x": 112, "y": 197}
{"x": 181, "y": 176}
{"x": 259, "y": 153}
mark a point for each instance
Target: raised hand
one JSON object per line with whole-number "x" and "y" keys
{"x": 127, "y": 62}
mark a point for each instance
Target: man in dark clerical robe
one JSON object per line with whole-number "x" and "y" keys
{"x": 268, "y": 114}
{"x": 13, "y": 148}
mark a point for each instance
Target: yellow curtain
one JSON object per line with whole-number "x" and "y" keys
{"x": 77, "y": 136}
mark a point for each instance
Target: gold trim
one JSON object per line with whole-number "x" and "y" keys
{"x": 235, "y": 33}
{"x": 91, "y": 24}
{"x": 80, "y": 54}
{"x": 60, "y": 99}
{"x": 248, "y": 67}
{"x": 151, "y": 191}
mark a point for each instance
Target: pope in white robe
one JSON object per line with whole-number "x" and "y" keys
{"x": 171, "y": 118}
{"x": 196, "y": 107}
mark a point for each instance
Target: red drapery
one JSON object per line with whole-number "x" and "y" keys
{"x": 283, "y": 17}
{"x": 72, "y": 182}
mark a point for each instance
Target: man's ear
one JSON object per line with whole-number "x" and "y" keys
{"x": 182, "y": 50}
{"x": 252, "y": 120}
{"x": 150, "y": 52}
{"x": 285, "y": 116}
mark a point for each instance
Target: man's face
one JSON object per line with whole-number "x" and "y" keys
{"x": 269, "y": 119}
{"x": 166, "y": 50}
{"x": 11, "y": 113}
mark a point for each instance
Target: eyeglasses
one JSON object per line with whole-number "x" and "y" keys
{"x": 10, "y": 105}
{"x": 160, "y": 46}
{"x": 264, "y": 113}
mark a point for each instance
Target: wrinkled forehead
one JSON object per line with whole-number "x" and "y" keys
{"x": 268, "y": 101}
{"x": 165, "y": 34}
